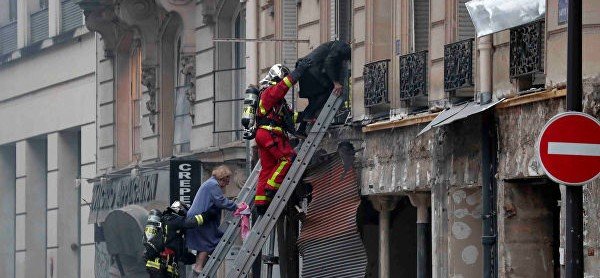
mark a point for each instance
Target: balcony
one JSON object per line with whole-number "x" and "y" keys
{"x": 8, "y": 38}
{"x": 413, "y": 75}
{"x": 375, "y": 76}
{"x": 39, "y": 25}
{"x": 526, "y": 49}
{"x": 458, "y": 65}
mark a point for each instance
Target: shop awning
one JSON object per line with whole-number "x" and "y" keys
{"x": 458, "y": 112}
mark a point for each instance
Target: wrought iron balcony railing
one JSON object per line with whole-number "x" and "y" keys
{"x": 458, "y": 65}
{"x": 413, "y": 75}
{"x": 375, "y": 76}
{"x": 526, "y": 49}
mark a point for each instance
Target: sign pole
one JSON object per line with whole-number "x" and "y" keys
{"x": 574, "y": 194}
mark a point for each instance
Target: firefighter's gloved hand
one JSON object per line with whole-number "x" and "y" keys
{"x": 301, "y": 66}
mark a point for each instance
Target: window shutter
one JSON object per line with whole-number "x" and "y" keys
{"x": 466, "y": 29}
{"x": 72, "y": 16}
{"x": 39, "y": 25}
{"x": 290, "y": 31}
{"x": 421, "y": 21}
{"x": 8, "y": 38}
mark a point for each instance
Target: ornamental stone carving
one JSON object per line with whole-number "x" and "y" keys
{"x": 188, "y": 69}
{"x": 149, "y": 80}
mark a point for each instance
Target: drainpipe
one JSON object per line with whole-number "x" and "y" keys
{"x": 422, "y": 201}
{"x": 488, "y": 160}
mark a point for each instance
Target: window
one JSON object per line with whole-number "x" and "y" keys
{"x": 12, "y": 10}
{"x": 342, "y": 26}
{"x": 71, "y": 15}
{"x": 43, "y": 4}
{"x": 239, "y": 78}
{"x": 466, "y": 29}
{"x": 136, "y": 117}
{"x": 420, "y": 28}
{"x": 229, "y": 75}
{"x": 183, "y": 121}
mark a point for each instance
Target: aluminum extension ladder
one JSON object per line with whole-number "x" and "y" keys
{"x": 261, "y": 230}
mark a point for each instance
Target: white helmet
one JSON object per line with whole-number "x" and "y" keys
{"x": 276, "y": 73}
{"x": 179, "y": 207}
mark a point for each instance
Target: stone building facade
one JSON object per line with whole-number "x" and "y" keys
{"x": 47, "y": 139}
{"x": 412, "y": 61}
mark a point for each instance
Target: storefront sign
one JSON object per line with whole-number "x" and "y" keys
{"x": 185, "y": 180}
{"x": 124, "y": 191}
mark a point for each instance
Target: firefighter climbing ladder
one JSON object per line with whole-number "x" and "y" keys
{"x": 261, "y": 230}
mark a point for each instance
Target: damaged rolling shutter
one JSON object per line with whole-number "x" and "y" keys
{"x": 329, "y": 241}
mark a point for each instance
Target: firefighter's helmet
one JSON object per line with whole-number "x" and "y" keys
{"x": 276, "y": 73}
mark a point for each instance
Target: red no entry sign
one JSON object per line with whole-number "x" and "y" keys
{"x": 569, "y": 148}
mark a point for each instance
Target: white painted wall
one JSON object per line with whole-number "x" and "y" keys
{"x": 50, "y": 66}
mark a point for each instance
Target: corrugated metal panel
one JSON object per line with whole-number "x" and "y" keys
{"x": 329, "y": 241}
{"x": 72, "y": 16}
{"x": 39, "y": 25}
{"x": 421, "y": 15}
{"x": 8, "y": 38}
{"x": 466, "y": 29}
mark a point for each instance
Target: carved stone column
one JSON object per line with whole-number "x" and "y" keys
{"x": 422, "y": 201}
{"x": 384, "y": 204}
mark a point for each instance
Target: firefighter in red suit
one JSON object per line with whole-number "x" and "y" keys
{"x": 274, "y": 149}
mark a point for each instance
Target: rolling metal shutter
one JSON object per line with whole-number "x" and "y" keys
{"x": 72, "y": 16}
{"x": 421, "y": 26}
{"x": 329, "y": 240}
{"x": 39, "y": 25}
{"x": 8, "y": 38}
{"x": 466, "y": 29}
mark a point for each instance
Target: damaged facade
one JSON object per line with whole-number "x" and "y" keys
{"x": 171, "y": 75}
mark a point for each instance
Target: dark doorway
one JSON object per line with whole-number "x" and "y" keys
{"x": 532, "y": 227}
{"x": 403, "y": 238}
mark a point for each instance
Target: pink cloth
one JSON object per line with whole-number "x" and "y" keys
{"x": 244, "y": 212}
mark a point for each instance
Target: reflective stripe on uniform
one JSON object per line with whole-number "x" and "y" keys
{"x": 199, "y": 219}
{"x": 263, "y": 111}
{"x": 261, "y": 198}
{"x": 271, "y": 128}
{"x": 271, "y": 181}
{"x": 287, "y": 82}
{"x": 172, "y": 270}
{"x": 296, "y": 114}
{"x": 153, "y": 264}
